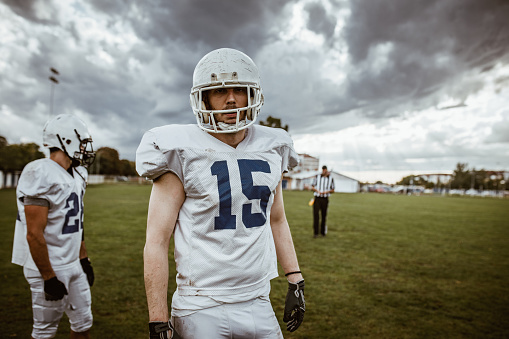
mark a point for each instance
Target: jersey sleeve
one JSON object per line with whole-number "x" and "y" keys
{"x": 290, "y": 158}
{"x": 153, "y": 159}
{"x": 279, "y": 140}
{"x": 29, "y": 201}
{"x": 41, "y": 180}
{"x": 34, "y": 183}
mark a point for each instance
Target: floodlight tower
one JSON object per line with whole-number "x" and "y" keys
{"x": 54, "y": 82}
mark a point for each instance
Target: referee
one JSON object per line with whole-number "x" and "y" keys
{"x": 323, "y": 186}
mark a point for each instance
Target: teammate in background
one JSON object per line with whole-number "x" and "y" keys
{"x": 217, "y": 188}
{"x": 323, "y": 186}
{"x": 48, "y": 238}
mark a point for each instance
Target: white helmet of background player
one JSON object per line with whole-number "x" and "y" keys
{"x": 224, "y": 68}
{"x": 69, "y": 134}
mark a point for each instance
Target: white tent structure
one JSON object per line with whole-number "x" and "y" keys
{"x": 304, "y": 180}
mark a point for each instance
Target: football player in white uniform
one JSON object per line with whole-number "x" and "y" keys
{"x": 48, "y": 238}
{"x": 217, "y": 188}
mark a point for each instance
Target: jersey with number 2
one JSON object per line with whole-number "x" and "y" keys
{"x": 223, "y": 238}
{"x": 45, "y": 179}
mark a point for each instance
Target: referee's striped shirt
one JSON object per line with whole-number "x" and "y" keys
{"x": 323, "y": 184}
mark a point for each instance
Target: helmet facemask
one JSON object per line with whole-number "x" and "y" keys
{"x": 207, "y": 118}
{"x": 84, "y": 156}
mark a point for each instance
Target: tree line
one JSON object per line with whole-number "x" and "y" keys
{"x": 462, "y": 178}
{"x": 14, "y": 157}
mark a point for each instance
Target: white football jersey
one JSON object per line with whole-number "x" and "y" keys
{"x": 223, "y": 238}
{"x": 45, "y": 179}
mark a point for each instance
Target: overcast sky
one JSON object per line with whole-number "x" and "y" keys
{"x": 370, "y": 87}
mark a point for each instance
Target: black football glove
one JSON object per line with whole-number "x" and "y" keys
{"x": 89, "y": 271}
{"x": 54, "y": 289}
{"x": 295, "y": 306}
{"x": 160, "y": 330}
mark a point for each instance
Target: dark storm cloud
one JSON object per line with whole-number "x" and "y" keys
{"x": 31, "y": 9}
{"x": 205, "y": 25}
{"x": 320, "y": 21}
{"x": 409, "y": 50}
{"x": 82, "y": 84}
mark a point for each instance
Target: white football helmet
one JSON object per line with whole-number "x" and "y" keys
{"x": 69, "y": 134}
{"x": 226, "y": 68}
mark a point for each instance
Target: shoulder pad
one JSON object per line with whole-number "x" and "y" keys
{"x": 279, "y": 139}
{"x": 35, "y": 181}
{"x": 159, "y": 148}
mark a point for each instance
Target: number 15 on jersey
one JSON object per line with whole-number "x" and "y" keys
{"x": 226, "y": 220}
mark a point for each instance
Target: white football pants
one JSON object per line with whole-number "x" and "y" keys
{"x": 253, "y": 319}
{"x": 77, "y": 304}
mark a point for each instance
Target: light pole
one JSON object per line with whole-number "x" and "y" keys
{"x": 54, "y": 82}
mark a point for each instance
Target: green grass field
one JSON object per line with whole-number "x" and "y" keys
{"x": 390, "y": 267}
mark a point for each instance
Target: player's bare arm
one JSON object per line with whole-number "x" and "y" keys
{"x": 283, "y": 238}
{"x": 37, "y": 219}
{"x": 83, "y": 250}
{"x": 295, "y": 306}
{"x": 166, "y": 198}
{"x": 86, "y": 264}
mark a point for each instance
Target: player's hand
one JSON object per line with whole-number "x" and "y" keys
{"x": 162, "y": 330}
{"x": 295, "y": 306}
{"x": 54, "y": 289}
{"x": 89, "y": 271}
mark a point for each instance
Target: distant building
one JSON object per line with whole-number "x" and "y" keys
{"x": 304, "y": 180}
{"x": 301, "y": 177}
{"x": 307, "y": 163}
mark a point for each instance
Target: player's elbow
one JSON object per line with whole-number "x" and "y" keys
{"x": 155, "y": 247}
{"x": 278, "y": 222}
{"x": 34, "y": 237}
{"x": 155, "y": 258}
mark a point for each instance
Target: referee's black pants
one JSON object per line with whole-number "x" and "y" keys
{"x": 320, "y": 206}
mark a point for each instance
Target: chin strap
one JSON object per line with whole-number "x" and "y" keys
{"x": 63, "y": 146}
{"x": 75, "y": 170}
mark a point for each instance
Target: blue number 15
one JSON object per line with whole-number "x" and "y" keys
{"x": 226, "y": 220}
